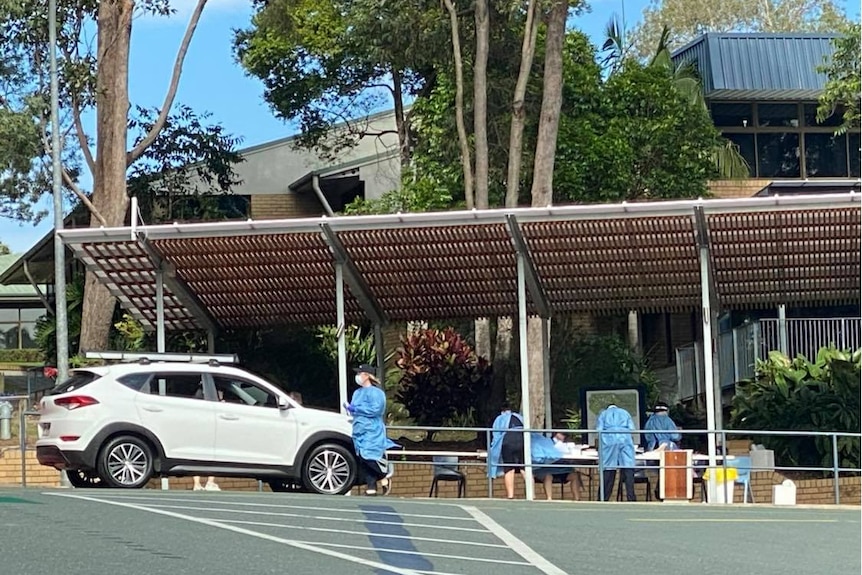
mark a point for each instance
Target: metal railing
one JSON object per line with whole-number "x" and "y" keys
{"x": 738, "y": 350}
{"x": 806, "y": 336}
{"x": 407, "y": 457}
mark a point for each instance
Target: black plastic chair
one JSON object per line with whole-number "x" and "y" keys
{"x": 446, "y": 469}
{"x": 640, "y": 478}
{"x": 560, "y": 479}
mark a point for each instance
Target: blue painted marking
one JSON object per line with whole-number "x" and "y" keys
{"x": 377, "y": 532}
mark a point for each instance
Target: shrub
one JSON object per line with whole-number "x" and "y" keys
{"x": 799, "y": 395}
{"x": 442, "y": 379}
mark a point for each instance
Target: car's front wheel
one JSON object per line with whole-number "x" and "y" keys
{"x": 330, "y": 469}
{"x": 126, "y": 462}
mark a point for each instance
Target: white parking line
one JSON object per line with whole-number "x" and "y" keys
{"x": 297, "y": 544}
{"x": 362, "y": 533}
{"x": 515, "y": 544}
{"x": 221, "y": 501}
{"x": 299, "y": 515}
{"x": 424, "y": 554}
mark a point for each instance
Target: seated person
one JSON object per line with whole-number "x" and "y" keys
{"x": 547, "y": 474}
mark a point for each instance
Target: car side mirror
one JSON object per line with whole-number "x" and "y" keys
{"x": 283, "y": 403}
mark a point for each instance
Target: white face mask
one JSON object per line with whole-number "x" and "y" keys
{"x": 358, "y": 379}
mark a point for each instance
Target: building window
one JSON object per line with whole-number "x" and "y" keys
{"x": 784, "y": 140}
{"x": 825, "y": 155}
{"x": 855, "y": 147}
{"x": 732, "y": 115}
{"x": 18, "y": 327}
{"x": 778, "y": 115}
{"x": 810, "y": 115}
{"x": 745, "y": 143}
{"x": 778, "y": 155}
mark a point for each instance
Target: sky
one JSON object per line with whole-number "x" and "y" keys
{"x": 213, "y": 81}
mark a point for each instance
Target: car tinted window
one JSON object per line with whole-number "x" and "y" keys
{"x": 77, "y": 380}
{"x": 178, "y": 385}
{"x": 136, "y": 381}
{"x": 236, "y": 390}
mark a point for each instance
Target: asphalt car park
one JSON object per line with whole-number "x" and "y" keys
{"x": 101, "y": 531}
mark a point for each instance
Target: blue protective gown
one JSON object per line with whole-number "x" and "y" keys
{"x": 664, "y": 431}
{"x": 542, "y": 448}
{"x": 369, "y": 432}
{"x": 616, "y": 449}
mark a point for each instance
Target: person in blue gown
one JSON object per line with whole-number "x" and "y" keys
{"x": 368, "y": 407}
{"x": 506, "y": 452}
{"x": 662, "y": 429}
{"x": 617, "y": 450}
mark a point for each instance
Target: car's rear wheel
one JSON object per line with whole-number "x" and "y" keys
{"x": 330, "y": 469}
{"x": 126, "y": 462}
{"x": 81, "y": 479}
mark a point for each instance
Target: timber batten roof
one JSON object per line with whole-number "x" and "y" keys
{"x": 596, "y": 258}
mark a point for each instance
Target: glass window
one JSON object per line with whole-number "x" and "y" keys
{"x": 8, "y": 315}
{"x": 9, "y": 336}
{"x": 235, "y": 390}
{"x": 732, "y": 115}
{"x": 825, "y": 156}
{"x": 188, "y": 385}
{"x": 32, "y": 314}
{"x": 135, "y": 381}
{"x": 809, "y": 111}
{"x": 855, "y": 146}
{"x": 778, "y": 115}
{"x": 77, "y": 380}
{"x": 778, "y": 155}
{"x": 745, "y": 143}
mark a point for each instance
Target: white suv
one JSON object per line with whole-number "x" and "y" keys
{"x": 122, "y": 424}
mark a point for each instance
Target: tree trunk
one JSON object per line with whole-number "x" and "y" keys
{"x": 109, "y": 179}
{"x": 463, "y": 141}
{"x": 480, "y": 103}
{"x": 503, "y": 372}
{"x": 400, "y": 124}
{"x": 516, "y": 132}
{"x": 552, "y": 100}
{"x": 543, "y": 181}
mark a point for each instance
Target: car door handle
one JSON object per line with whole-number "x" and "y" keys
{"x": 153, "y": 409}
{"x": 229, "y": 417}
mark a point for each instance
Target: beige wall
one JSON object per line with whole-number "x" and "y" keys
{"x": 737, "y": 188}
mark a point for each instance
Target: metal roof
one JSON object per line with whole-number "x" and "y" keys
{"x": 741, "y": 66}
{"x": 444, "y": 265}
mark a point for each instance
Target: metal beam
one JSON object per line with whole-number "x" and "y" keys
{"x": 531, "y": 276}
{"x": 341, "y": 342}
{"x": 711, "y": 375}
{"x": 358, "y": 287}
{"x": 178, "y": 287}
{"x": 526, "y": 411}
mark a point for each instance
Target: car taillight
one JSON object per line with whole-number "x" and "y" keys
{"x": 75, "y": 401}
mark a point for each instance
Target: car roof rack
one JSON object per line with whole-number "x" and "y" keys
{"x": 145, "y": 357}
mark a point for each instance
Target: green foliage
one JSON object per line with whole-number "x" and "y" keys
{"x": 21, "y": 356}
{"x": 442, "y": 379}
{"x": 360, "y": 346}
{"x": 636, "y": 136}
{"x": 291, "y": 358}
{"x": 132, "y": 335}
{"x": 46, "y": 326}
{"x": 843, "y": 86}
{"x": 323, "y": 62}
{"x": 598, "y": 361}
{"x": 688, "y": 19}
{"x": 4, "y": 249}
{"x": 800, "y": 395}
{"x": 188, "y": 162}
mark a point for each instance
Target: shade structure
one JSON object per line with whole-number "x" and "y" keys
{"x": 610, "y": 258}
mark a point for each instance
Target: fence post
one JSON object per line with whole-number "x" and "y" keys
{"x": 488, "y": 462}
{"x": 843, "y": 333}
{"x": 755, "y": 331}
{"x": 22, "y": 439}
{"x": 835, "y": 468}
{"x": 601, "y": 467}
{"x": 735, "y": 336}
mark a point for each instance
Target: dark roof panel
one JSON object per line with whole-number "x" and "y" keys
{"x": 759, "y": 66}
